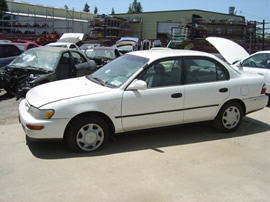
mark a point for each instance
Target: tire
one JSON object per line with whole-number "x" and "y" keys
{"x": 229, "y": 117}
{"x": 87, "y": 133}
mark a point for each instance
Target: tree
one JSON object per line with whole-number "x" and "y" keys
{"x": 86, "y": 8}
{"x": 66, "y": 7}
{"x": 95, "y": 10}
{"x": 3, "y": 9}
{"x": 135, "y": 7}
{"x": 113, "y": 11}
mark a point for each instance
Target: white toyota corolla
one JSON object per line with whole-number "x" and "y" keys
{"x": 140, "y": 90}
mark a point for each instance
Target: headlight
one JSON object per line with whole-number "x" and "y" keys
{"x": 39, "y": 113}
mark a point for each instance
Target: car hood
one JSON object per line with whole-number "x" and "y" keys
{"x": 231, "y": 51}
{"x": 61, "y": 90}
{"x": 71, "y": 37}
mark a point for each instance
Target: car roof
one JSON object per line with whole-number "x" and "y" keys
{"x": 164, "y": 53}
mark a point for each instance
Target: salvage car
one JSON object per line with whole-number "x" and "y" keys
{"x": 239, "y": 58}
{"x": 102, "y": 55}
{"x": 141, "y": 90}
{"x": 25, "y": 45}
{"x": 8, "y": 52}
{"x": 42, "y": 65}
{"x": 68, "y": 40}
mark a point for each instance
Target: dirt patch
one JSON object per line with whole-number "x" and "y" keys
{"x": 8, "y": 109}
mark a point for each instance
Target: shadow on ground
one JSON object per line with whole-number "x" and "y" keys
{"x": 154, "y": 139}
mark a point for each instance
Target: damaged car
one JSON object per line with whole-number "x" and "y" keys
{"x": 102, "y": 55}
{"x": 42, "y": 65}
{"x": 68, "y": 40}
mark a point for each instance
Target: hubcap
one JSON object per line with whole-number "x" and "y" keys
{"x": 231, "y": 117}
{"x": 90, "y": 137}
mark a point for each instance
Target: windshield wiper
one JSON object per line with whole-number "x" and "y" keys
{"x": 97, "y": 80}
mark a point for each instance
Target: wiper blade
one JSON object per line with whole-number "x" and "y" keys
{"x": 97, "y": 80}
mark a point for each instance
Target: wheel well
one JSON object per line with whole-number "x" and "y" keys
{"x": 240, "y": 102}
{"x": 103, "y": 116}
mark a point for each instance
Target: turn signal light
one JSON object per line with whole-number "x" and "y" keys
{"x": 31, "y": 127}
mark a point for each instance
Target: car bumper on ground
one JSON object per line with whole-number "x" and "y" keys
{"x": 49, "y": 129}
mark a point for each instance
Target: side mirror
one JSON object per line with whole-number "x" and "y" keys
{"x": 137, "y": 85}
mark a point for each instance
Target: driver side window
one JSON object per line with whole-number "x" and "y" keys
{"x": 163, "y": 73}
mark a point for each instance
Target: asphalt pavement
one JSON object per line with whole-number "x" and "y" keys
{"x": 186, "y": 163}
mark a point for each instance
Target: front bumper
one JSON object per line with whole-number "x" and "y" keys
{"x": 53, "y": 128}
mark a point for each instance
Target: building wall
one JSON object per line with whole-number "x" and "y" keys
{"x": 150, "y": 20}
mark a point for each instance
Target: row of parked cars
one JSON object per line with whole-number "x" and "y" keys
{"x": 139, "y": 90}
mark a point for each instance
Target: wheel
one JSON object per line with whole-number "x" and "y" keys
{"x": 87, "y": 133}
{"x": 229, "y": 117}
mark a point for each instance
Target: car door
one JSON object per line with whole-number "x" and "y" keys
{"x": 83, "y": 66}
{"x": 206, "y": 87}
{"x": 161, "y": 104}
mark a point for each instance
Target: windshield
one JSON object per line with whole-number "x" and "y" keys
{"x": 37, "y": 58}
{"x": 21, "y": 46}
{"x": 117, "y": 72}
{"x": 100, "y": 53}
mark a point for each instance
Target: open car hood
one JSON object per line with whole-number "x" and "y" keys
{"x": 231, "y": 51}
{"x": 71, "y": 37}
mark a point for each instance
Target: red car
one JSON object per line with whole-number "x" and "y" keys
{"x": 25, "y": 45}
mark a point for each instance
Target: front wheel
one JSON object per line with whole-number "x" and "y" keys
{"x": 229, "y": 117}
{"x": 87, "y": 133}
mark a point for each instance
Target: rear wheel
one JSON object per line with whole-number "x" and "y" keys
{"x": 87, "y": 133}
{"x": 229, "y": 117}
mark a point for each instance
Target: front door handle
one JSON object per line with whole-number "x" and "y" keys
{"x": 176, "y": 95}
{"x": 223, "y": 90}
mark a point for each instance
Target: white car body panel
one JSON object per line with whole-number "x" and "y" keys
{"x": 138, "y": 109}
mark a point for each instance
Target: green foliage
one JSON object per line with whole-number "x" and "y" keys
{"x": 3, "y": 6}
{"x": 135, "y": 7}
{"x": 113, "y": 11}
{"x": 86, "y": 8}
{"x": 66, "y": 7}
{"x": 95, "y": 10}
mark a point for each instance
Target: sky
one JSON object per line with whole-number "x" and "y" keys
{"x": 257, "y": 10}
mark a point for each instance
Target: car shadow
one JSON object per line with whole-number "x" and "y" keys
{"x": 4, "y": 96}
{"x": 154, "y": 139}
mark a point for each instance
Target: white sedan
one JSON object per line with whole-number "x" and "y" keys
{"x": 140, "y": 90}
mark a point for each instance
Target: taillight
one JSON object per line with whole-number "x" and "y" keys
{"x": 263, "y": 90}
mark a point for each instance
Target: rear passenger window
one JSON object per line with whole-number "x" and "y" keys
{"x": 200, "y": 70}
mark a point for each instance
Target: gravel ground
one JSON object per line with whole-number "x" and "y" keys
{"x": 8, "y": 109}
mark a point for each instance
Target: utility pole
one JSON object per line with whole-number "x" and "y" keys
{"x": 263, "y": 34}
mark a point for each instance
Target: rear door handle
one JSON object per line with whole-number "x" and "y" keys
{"x": 223, "y": 90}
{"x": 176, "y": 95}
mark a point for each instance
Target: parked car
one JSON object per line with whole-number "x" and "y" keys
{"x": 102, "y": 55}
{"x": 127, "y": 44}
{"x": 42, "y": 65}
{"x": 68, "y": 40}
{"x": 8, "y": 52}
{"x": 86, "y": 46}
{"x": 25, "y": 45}
{"x": 176, "y": 44}
{"x": 140, "y": 90}
{"x": 239, "y": 58}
